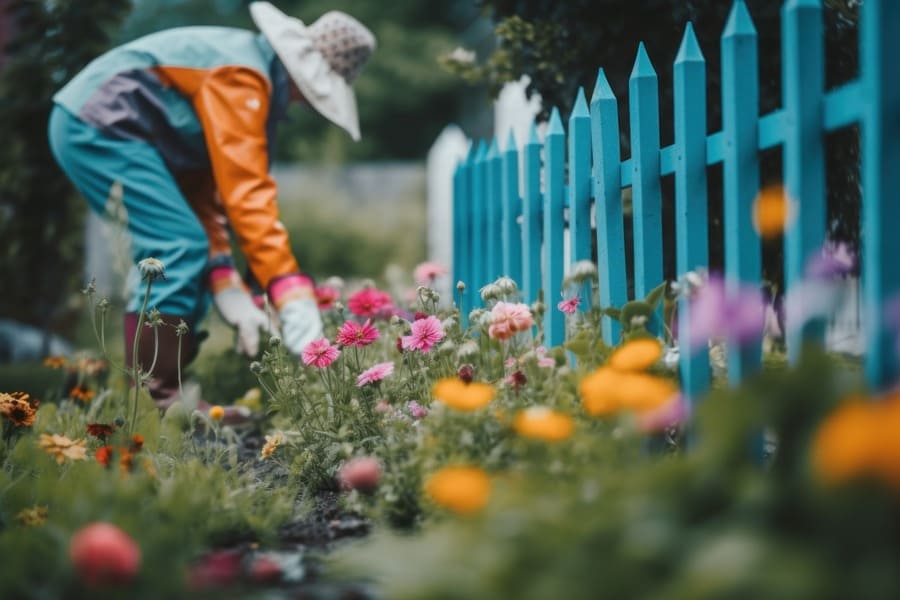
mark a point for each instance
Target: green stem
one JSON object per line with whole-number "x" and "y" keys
{"x": 135, "y": 368}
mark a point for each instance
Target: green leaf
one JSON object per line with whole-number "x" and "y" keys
{"x": 580, "y": 345}
{"x": 613, "y": 313}
{"x": 655, "y": 295}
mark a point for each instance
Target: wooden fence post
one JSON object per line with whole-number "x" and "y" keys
{"x": 691, "y": 222}
{"x": 880, "y": 48}
{"x": 740, "y": 116}
{"x": 512, "y": 209}
{"x": 608, "y": 203}
{"x": 554, "y": 229}
{"x": 494, "y": 200}
{"x": 479, "y": 221}
{"x": 580, "y": 190}
{"x": 532, "y": 218}
{"x": 803, "y": 86}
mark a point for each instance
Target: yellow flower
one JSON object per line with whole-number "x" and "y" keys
{"x": 61, "y": 447}
{"x": 607, "y": 391}
{"x": 460, "y": 395}
{"x": 846, "y": 444}
{"x": 252, "y": 399}
{"x": 772, "y": 211}
{"x": 543, "y": 423}
{"x": 464, "y": 490}
{"x": 636, "y": 355}
{"x": 18, "y": 408}
{"x": 599, "y": 392}
{"x": 36, "y": 515}
{"x": 216, "y": 413}
{"x": 272, "y": 442}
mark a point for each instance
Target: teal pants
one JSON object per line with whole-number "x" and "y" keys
{"x": 161, "y": 223}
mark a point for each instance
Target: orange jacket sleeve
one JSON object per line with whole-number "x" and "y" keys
{"x": 233, "y": 105}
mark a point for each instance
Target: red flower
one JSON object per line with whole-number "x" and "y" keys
{"x": 326, "y": 296}
{"x": 100, "y": 430}
{"x": 466, "y": 373}
{"x": 104, "y": 455}
{"x": 137, "y": 442}
{"x": 361, "y": 473}
{"x": 103, "y": 554}
{"x": 368, "y": 302}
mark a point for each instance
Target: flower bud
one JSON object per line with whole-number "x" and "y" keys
{"x": 466, "y": 373}
{"x": 361, "y": 473}
{"x": 152, "y": 269}
{"x": 460, "y": 286}
{"x": 104, "y": 554}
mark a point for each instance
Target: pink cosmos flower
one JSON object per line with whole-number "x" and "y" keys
{"x": 425, "y": 273}
{"x": 326, "y": 296}
{"x": 354, "y": 334}
{"x": 320, "y": 353}
{"x": 368, "y": 302}
{"x": 376, "y": 373}
{"x": 569, "y": 306}
{"x": 416, "y": 410}
{"x": 508, "y": 318}
{"x": 425, "y": 334}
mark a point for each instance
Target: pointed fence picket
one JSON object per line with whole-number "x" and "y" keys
{"x": 500, "y": 229}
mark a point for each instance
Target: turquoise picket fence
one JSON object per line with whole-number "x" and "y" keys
{"x": 500, "y": 229}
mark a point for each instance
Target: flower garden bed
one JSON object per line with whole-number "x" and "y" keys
{"x": 413, "y": 454}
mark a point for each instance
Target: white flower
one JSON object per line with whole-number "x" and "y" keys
{"x": 152, "y": 269}
{"x": 583, "y": 270}
{"x": 462, "y": 56}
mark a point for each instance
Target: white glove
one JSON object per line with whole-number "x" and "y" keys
{"x": 238, "y": 310}
{"x": 300, "y": 323}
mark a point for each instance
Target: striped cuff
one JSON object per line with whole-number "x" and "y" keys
{"x": 221, "y": 278}
{"x": 291, "y": 287}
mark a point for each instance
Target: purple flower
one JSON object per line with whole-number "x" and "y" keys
{"x": 834, "y": 260}
{"x": 716, "y": 312}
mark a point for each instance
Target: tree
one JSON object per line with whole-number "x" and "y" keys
{"x": 41, "y": 257}
{"x": 561, "y": 45}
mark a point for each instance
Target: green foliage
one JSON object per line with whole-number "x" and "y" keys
{"x": 39, "y": 218}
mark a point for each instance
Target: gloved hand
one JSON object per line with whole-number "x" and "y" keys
{"x": 300, "y": 324}
{"x": 237, "y": 308}
{"x": 294, "y": 296}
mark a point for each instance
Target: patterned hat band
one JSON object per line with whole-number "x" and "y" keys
{"x": 344, "y": 42}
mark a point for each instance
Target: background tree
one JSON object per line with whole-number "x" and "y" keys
{"x": 404, "y": 98}
{"x": 560, "y": 46}
{"x": 40, "y": 257}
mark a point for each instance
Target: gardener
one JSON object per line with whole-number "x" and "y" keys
{"x": 185, "y": 119}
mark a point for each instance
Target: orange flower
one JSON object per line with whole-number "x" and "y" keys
{"x": 636, "y": 355}
{"x": 104, "y": 455}
{"x": 272, "y": 442}
{"x": 216, "y": 413}
{"x": 607, "y": 391}
{"x": 457, "y": 394}
{"x": 464, "y": 490}
{"x": 81, "y": 392}
{"x": 55, "y": 362}
{"x": 137, "y": 443}
{"x": 772, "y": 211}
{"x": 542, "y": 423}
{"x": 846, "y": 444}
{"x": 18, "y": 408}
{"x": 61, "y": 447}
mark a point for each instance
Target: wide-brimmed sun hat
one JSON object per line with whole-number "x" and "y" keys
{"x": 322, "y": 59}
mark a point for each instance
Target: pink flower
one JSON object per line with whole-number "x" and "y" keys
{"x": 546, "y": 361}
{"x": 104, "y": 554}
{"x": 354, "y": 334}
{"x": 569, "y": 306}
{"x": 416, "y": 410}
{"x": 425, "y": 334}
{"x": 672, "y": 413}
{"x": 425, "y": 273}
{"x": 509, "y": 363}
{"x": 326, "y": 296}
{"x": 361, "y": 473}
{"x": 509, "y": 318}
{"x": 320, "y": 353}
{"x": 715, "y": 312}
{"x": 376, "y": 373}
{"x": 382, "y": 407}
{"x": 368, "y": 302}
